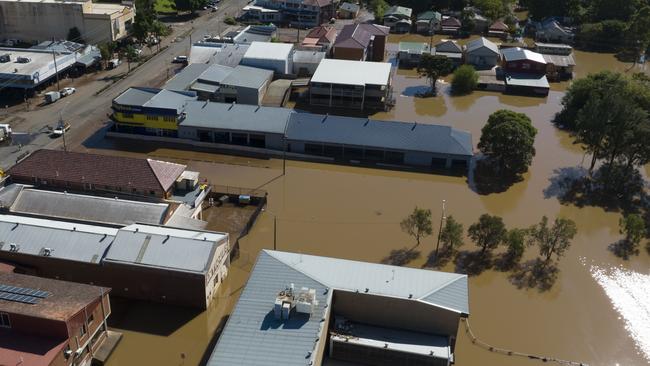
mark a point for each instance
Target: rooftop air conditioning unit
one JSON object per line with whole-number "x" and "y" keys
{"x": 13, "y": 247}
{"x": 47, "y": 252}
{"x": 306, "y": 301}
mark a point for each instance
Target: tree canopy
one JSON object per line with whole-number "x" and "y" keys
{"x": 633, "y": 227}
{"x": 433, "y": 67}
{"x": 451, "y": 235}
{"x": 465, "y": 80}
{"x": 418, "y": 224}
{"x": 488, "y": 232}
{"x": 552, "y": 240}
{"x": 508, "y": 139}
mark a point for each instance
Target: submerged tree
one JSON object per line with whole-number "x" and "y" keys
{"x": 433, "y": 67}
{"x": 552, "y": 240}
{"x": 634, "y": 229}
{"x": 465, "y": 80}
{"x": 508, "y": 139}
{"x": 515, "y": 242}
{"x": 418, "y": 224}
{"x": 488, "y": 232}
{"x": 451, "y": 235}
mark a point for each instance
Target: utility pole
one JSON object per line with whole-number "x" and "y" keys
{"x": 56, "y": 70}
{"x": 62, "y": 125}
{"x": 275, "y": 232}
{"x": 442, "y": 219}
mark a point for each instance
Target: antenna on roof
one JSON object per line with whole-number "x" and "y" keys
{"x": 165, "y": 240}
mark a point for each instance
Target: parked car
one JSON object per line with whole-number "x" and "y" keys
{"x": 51, "y": 97}
{"x": 180, "y": 60}
{"x": 214, "y": 9}
{"x": 5, "y": 132}
{"x": 114, "y": 63}
{"x": 60, "y": 129}
{"x": 67, "y": 91}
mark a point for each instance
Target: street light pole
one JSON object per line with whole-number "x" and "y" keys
{"x": 62, "y": 125}
{"x": 442, "y": 219}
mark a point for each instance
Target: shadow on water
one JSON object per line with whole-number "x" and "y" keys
{"x": 401, "y": 257}
{"x": 214, "y": 340}
{"x": 623, "y": 249}
{"x": 535, "y": 274}
{"x": 147, "y": 317}
{"x": 485, "y": 180}
{"x": 445, "y": 255}
{"x": 473, "y": 263}
{"x": 416, "y": 91}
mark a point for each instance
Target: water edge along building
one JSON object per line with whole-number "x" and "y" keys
{"x": 307, "y": 310}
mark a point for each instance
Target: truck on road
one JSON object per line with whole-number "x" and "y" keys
{"x": 51, "y": 97}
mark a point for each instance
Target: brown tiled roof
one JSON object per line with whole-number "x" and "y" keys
{"x": 359, "y": 35}
{"x": 66, "y": 299}
{"x": 323, "y": 33}
{"x": 105, "y": 170}
{"x": 499, "y": 26}
{"x": 450, "y": 22}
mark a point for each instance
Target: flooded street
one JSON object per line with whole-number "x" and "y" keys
{"x": 596, "y": 312}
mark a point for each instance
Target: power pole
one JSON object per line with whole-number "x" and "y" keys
{"x": 56, "y": 70}
{"x": 275, "y": 232}
{"x": 442, "y": 219}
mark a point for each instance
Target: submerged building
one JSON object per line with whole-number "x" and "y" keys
{"x": 307, "y": 310}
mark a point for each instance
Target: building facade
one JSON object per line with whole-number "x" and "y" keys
{"x": 361, "y": 42}
{"x": 38, "y": 21}
{"x": 59, "y": 324}
{"x": 398, "y": 19}
{"x": 482, "y": 53}
{"x": 270, "y": 56}
{"x": 296, "y": 13}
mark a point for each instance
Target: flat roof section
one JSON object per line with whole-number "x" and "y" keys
{"x": 162, "y": 247}
{"x": 136, "y": 96}
{"x": 401, "y": 136}
{"x": 236, "y": 117}
{"x": 64, "y": 300}
{"x": 65, "y": 240}
{"x": 346, "y": 72}
{"x": 39, "y": 60}
{"x": 111, "y": 211}
{"x": 269, "y": 51}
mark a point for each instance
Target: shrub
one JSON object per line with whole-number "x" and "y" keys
{"x": 465, "y": 80}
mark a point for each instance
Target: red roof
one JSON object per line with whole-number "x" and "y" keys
{"x": 499, "y": 26}
{"x": 323, "y": 34}
{"x": 101, "y": 170}
{"x": 22, "y": 349}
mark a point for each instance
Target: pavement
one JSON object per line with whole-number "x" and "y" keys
{"x": 88, "y": 109}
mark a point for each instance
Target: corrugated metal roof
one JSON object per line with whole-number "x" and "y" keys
{"x": 215, "y": 74}
{"x": 518, "y": 54}
{"x": 269, "y": 51}
{"x": 347, "y": 72}
{"x": 170, "y": 99}
{"x": 157, "y": 246}
{"x": 88, "y": 208}
{"x": 379, "y": 134}
{"x": 252, "y": 336}
{"x": 399, "y": 10}
{"x": 414, "y": 47}
{"x": 136, "y": 96}
{"x": 204, "y": 87}
{"x": 247, "y": 77}
{"x": 450, "y": 46}
{"x": 527, "y": 80}
{"x": 69, "y": 241}
{"x": 313, "y": 57}
{"x": 238, "y": 117}
{"x": 559, "y": 60}
{"x": 186, "y": 77}
{"x": 480, "y": 43}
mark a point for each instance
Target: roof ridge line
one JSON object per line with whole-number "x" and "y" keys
{"x": 453, "y": 137}
{"x": 441, "y": 286}
{"x": 298, "y": 270}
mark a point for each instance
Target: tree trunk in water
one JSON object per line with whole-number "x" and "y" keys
{"x": 593, "y": 164}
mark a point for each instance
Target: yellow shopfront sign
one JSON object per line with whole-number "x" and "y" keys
{"x": 147, "y": 121}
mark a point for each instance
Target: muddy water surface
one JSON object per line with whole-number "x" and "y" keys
{"x": 354, "y": 213}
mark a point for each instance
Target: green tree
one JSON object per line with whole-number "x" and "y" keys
{"x": 190, "y": 5}
{"x": 465, "y": 80}
{"x": 608, "y": 9}
{"x": 638, "y": 32}
{"x": 230, "y": 21}
{"x": 633, "y": 227}
{"x": 433, "y": 67}
{"x": 74, "y": 35}
{"x": 378, "y": 7}
{"x": 508, "y": 139}
{"x": 515, "y": 242}
{"x": 131, "y": 55}
{"x": 552, "y": 240}
{"x": 493, "y": 9}
{"x": 467, "y": 20}
{"x": 107, "y": 50}
{"x": 418, "y": 224}
{"x": 488, "y": 232}
{"x": 451, "y": 235}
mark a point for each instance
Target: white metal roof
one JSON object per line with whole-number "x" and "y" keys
{"x": 348, "y": 72}
{"x": 180, "y": 233}
{"x": 269, "y": 51}
{"x": 518, "y": 54}
{"x": 64, "y": 225}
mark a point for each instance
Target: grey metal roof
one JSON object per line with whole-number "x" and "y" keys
{"x": 170, "y": 99}
{"x": 303, "y": 56}
{"x": 88, "y": 208}
{"x": 252, "y": 336}
{"x": 480, "y": 43}
{"x": 215, "y": 73}
{"x": 379, "y": 134}
{"x": 247, "y": 77}
{"x": 560, "y": 60}
{"x": 186, "y": 77}
{"x": 155, "y": 246}
{"x": 69, "y": 241}
{"x": 527, "y": 80}
{"x": 448, "y": 46}
{"x": 237, "y": 117}
{"x": 204, "y": 87}
{"x": 136, "y": 96}
{"x": 8, "y": 194}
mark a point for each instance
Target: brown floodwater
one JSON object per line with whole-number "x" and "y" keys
{"x": 353, "y": 212}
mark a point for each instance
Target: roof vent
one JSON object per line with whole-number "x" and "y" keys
{"x": 46, "y": 252}
{"x": 165, "y": 240}
{"x": 303, "y": 301}
{"x": 13, "y": 247}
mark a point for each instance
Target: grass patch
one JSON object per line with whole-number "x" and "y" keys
{"x": 164, "y": 6}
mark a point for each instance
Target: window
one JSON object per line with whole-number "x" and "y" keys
{"x": 91, "y": 318}
{"x": 83, "y": 330}
{"x": 4, "y": 320}
{"x": 169, "y": 119}
{"x": 152, "y": 118}
{"x": 127, "y": 115}
{"x": 152, "y": 193}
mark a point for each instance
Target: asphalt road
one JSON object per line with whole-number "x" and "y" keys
{"x": 88, "y": 113}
